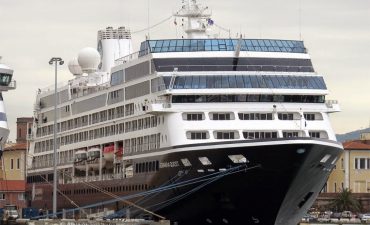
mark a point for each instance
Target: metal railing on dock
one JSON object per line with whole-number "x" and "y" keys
{"x": 92, "y": 222}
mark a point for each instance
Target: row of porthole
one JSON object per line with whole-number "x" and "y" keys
{"x": 127, "y": 188}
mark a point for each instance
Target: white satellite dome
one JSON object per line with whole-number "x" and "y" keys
{"x": 89, "y": 59}
{"x": 74, "y": 67}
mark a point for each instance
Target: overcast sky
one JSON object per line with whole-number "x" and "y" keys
{"x": 336, "y": 33}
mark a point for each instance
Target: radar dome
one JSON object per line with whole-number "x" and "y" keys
{"x": 89, "y": 59}
{"x": 74, "y": 67}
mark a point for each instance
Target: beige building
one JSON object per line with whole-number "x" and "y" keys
{"x": 13, "y": 167}
{"x": 352, "y": 170}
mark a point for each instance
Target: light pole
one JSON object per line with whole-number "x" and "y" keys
{"x": 55, "y": 61}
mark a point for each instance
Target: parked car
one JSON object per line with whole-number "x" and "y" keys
{"x": 10, "y": 215}
{"x": 365, "y": 217}
{"x": 346, "y": 214}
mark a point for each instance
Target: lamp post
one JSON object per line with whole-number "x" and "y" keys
{"x": 55, "y": 61}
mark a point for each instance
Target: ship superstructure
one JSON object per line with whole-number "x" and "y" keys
{"x": 242, "y": 122}
{"x": 6, "y": 83}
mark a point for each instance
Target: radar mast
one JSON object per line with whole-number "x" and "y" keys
{"x": 198, "y": 19}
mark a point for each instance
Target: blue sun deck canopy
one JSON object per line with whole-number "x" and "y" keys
{"x": 198, "y": 45}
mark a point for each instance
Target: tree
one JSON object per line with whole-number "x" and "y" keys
{"x": 345, "y": 201}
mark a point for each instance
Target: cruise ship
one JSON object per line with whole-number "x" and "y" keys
{"x": 6, "y": 84}
{"x": 197, "y": 130}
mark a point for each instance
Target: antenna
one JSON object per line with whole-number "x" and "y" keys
{"x": 148, "y": 20}
{"x": 300, "y": 18}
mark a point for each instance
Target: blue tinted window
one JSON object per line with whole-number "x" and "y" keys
{"x": 261, "y": 82}
{"x": 247, "y": 82}
{"x": 268, "y": 82}
{"x": 250, "y": 48}
{"x": 215, "y": 48}
{"x": 275, "y": 81}
{"x": 186, "y": 45}
{"x": 225, "y": 82}
{"x": 203, "y": 82}
{"x": 261, "y": 43}
{"x": 254, "y": 81}
{"x": 232, "y": 82}
{"x": 255, "y": 43}
{"x": 267, "y": 42}
{"x": 239, "y": 82}
{"x": 166, "y": 43}
{"x": 322, "y": 82}
{"x": 218, "y": 81}
{"x": 210, "y": 82}
{"x": 188, "y": 82}
{"x": 158, "y": 44}
{"x": 179, "y": 82}
{"x": 282, "y": 82}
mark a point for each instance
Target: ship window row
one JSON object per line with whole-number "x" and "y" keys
{"x": 251, "y": 116}
{"x": 362, "y": 163}
{"x": 122, "y": 188}
{"x": 248, "y": 98}
{"x": 146, "y": 167}
{"x": 94, "y": 118}
{"x": 194, "y": 45}
{"x": 246, "y": 81}
{"x": 234, "y": 134}
{"x": 229, "y": 64}
{"x": 130, "y": 126}
{"x": 47, "y": 160}
{"x": 142, "y": 144}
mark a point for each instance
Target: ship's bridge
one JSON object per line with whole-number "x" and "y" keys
{"x": 198, "y": 45}
{"x": 6, "y": 75}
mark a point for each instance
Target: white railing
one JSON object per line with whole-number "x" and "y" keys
{"x": 331, "y": 103}
{"x": 127, "y": 58}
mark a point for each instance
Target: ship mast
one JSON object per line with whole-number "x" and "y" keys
{"x": 198, "y": 19}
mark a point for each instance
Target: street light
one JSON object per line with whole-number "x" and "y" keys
{"x": 55, "y": 61}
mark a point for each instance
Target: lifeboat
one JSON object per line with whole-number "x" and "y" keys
{"x": 79, "y": 160}
{"x": 93, "y": 159}
{"x": 108, "y": 153}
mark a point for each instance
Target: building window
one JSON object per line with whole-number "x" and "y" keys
{"x": 197, "y": 135}
{"x": 255, "y": 116}
{"x": 18, "y": 163}
{"x": 21, "y": 196}
{"x": 226, "y": 135}
{"x": 259, "y": 135}
{"x": 285, "y": 116}
{"x": 11, "y": 164}
{"x": 290, "y": 134}
{"x": 309, "y": 116}
{"x": 2, "y": 196}
{"x": 342, "y": 163}
{"x": 194, "y": 116}
{"x": 314, "y": 134}
{"x": 360, "y": 163}
{"x": 221, "y": 116}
